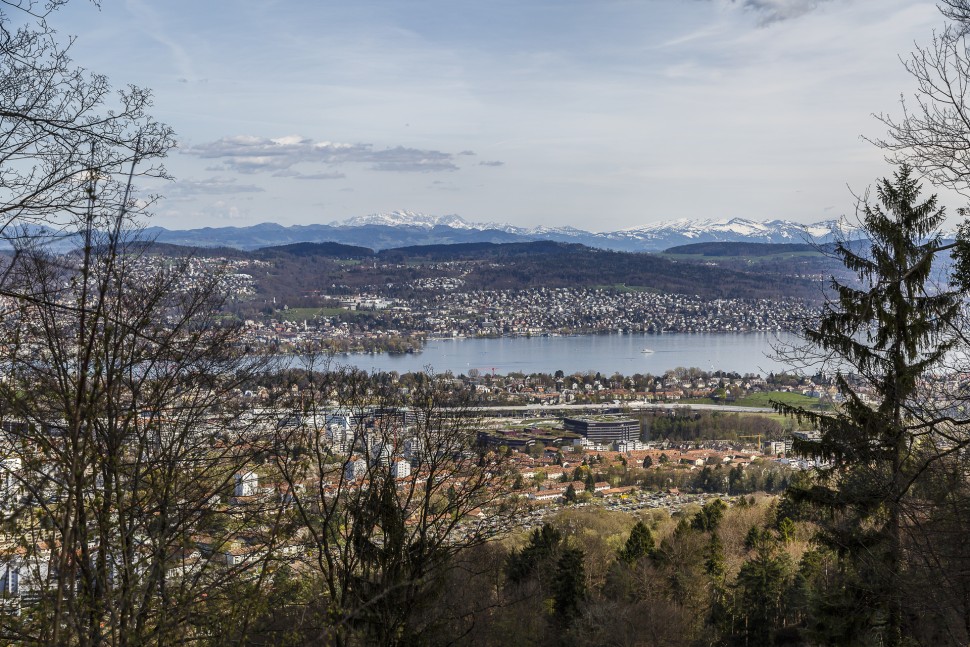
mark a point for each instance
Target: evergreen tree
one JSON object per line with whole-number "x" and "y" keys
{"x": 639, "y": 544}
{"x": 569, "y": 584}
{"x": 570, "y": 494}
{"x": 708, "y": 519}
{"x": 883, "y": 337}
{"x": 755, "y": 537}
{"x": 544, "y": 544}
{"x": 716, "y": 568}
{"x": 715, "y": 564}
{"x": 786, "y": 530}
{"x": 761, "y": 586}
{"x": 735, "y": 480}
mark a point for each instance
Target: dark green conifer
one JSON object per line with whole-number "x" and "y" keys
{"x": 639, "y": 544}
{"x": 569, "y": 584}
{"x": 708, "y": 519}
{"x": 544, "y": 543}
{"x": 570, "y": 494}
{"x": 883, "y": 335}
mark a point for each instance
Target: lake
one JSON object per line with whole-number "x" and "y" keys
{"x": 607, "y": 354}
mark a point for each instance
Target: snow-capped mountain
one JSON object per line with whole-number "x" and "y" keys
{"x": 735, "y": 227}
{"x": 404, "y": 228}
{"x": 407, "y": 219}
{"x": 428, "y": 221}
{"x": 684, "y": 231}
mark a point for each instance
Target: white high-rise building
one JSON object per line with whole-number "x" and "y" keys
{"x": 246, "y": 483}
{"x": 401, "y": 469}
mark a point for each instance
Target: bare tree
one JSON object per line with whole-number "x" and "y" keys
{"x": 122, "y": 440}
{"x": 132, "y": 507}
{"x": 60, "y": 125}
{"x": 933, "y": 132}
{"x": 387, "y": 484}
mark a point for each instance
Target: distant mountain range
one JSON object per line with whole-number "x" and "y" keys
{"x": 404, "y": 228}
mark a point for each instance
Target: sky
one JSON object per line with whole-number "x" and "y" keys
{"x": 596, "y": 114}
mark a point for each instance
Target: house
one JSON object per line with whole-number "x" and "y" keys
{"x": 246, "y": 483}
{"x": 545, "y": 495}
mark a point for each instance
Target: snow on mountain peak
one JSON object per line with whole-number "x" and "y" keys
{"x": 406, "y": 219}
{"x": 658, "y": 235}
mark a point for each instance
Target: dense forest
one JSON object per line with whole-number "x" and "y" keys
{"x": 740, "y": 575}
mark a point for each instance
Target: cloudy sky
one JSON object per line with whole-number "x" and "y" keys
{"x": 599, "y": 114}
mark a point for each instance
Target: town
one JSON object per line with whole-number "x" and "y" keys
{"x": 385, "y": 321}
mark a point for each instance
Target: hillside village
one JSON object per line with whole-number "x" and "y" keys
{"x": 374, "y": 322}
{"x": 386, "y": 319}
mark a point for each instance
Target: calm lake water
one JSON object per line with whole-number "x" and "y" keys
{"x": 739, "y": 352}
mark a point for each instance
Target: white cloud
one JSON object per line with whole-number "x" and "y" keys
{"x": 249, "y": 154}
{"x": 776, "y": 10}
{"x": 210, "y": 186}
{"x": 318, "y": 176}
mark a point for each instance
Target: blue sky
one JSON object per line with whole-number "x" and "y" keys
{"x": 599, "y": 114}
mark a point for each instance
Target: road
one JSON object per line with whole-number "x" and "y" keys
{"x": 626, "y": 407}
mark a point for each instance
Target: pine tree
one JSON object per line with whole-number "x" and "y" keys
{"x": 714, "y": 564}
{"x": 570, "y": 494}
{"x": 709, "y": 517}
{"x": 786, "y": 530}
{"x": 716, "y": 568}
{"x": 760, "y": 588}
{"x": 544, "y": 544}
{"x": 569, "y": 584}
{"x": 639, "y": 544}
{"x": 882, "y": 338}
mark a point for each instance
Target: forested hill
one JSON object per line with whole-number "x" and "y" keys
{"x": 309, "y": 250}
{"x": 293, "y": 272}
{"x": 769, "y": 260}
{"x": 472, "y": 251}
{"x": 742, "y": 249}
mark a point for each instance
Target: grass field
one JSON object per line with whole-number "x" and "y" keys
{"x": 765, "y": 399}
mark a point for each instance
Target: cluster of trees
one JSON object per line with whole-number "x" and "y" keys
{"x": 379, "y": 543}
{"x": 745, "y": 575}
{"x": 761, "y": 476}
{"x": 665, "y": 473}
{"x": 711, "y": 425}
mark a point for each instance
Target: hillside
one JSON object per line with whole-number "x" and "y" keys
{"x": 777, "y": 261}
{"x": 303, "y": 275}
{"x": 741, "y": 249}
